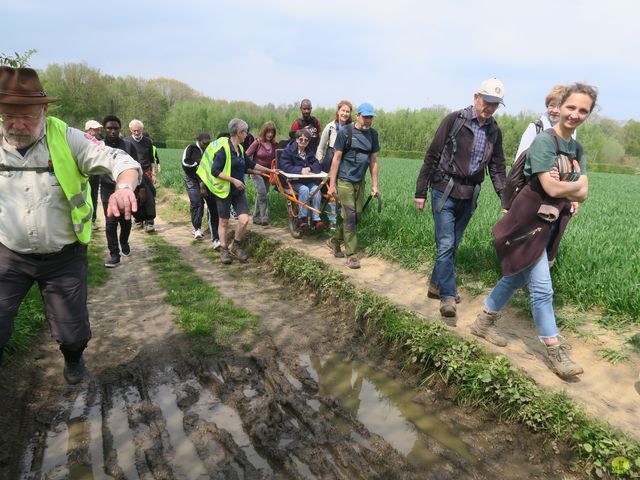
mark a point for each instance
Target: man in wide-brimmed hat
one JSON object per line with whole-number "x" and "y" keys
{"x": 45, "y": 211}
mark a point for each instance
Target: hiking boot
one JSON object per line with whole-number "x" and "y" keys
{"x": 73, "y": 371}
{"x": 353, "y": 262}
{"x": 302, "y": 224}
{"x": 335, "y": 248}
{"x": 225, "y": 256}
{"x": 318, "y": 225}
{"x": 448, "y": 307}
{"x": 561, "y": 363}
{"x": 236, "y": 249}
{"x": 485, "y": 327}
{"x": 126, "y": 249}
{"x": 434, "y": 292}
{"x": 112, "y": 261}
{"x": 149, "y": 228}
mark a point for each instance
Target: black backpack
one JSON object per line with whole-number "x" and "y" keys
{"x": 516, "y": 179}
{"x": 347, "y": 143}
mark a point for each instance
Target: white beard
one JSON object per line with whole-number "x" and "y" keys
{"x": 21, "y": 138}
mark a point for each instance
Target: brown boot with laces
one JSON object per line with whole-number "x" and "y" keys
{"x": 560, "y": 361}
{"x": 485, "y": 327}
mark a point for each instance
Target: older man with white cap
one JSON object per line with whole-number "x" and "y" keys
{"x": 45, "y": 212}
{"x": 94, "y": 129}
{"x": 465, "y": 143}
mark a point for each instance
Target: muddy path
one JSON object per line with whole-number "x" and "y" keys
{"x": 610, "y": 392}
{"x": 301, "y": 395}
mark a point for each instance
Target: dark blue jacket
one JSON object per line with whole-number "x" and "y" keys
{"x": 291, "y": 162}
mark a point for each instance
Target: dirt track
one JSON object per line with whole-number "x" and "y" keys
{"x": 309, "y": 400}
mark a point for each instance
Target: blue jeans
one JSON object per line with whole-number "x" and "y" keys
{"x": 196, "y": 201}
{"x": 303, "y": 191}
{"x": 538, "y": 278}
{"x": 449, "y": 226}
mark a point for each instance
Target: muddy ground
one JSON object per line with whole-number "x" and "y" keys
{"x": 302, "y": 395}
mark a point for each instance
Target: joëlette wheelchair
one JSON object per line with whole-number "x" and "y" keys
{"x": 282, "y": 183}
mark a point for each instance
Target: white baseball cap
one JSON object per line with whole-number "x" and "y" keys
{"x": 492, "y": 91}
{"x": 91, "y": 124}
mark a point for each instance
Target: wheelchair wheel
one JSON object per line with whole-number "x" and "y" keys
{"x": 293, "y": 228}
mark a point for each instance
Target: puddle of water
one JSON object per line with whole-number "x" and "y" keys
{"x": 118, "y": 424}
{"x": 79, "y": 405}
{"x": 96, "y": 447}
{"x": 210, "y": 409}
{"x": 303, "y": 469}
{"x": 314, "y": 403}
{"x": 185, "y": 459}
{"x": 386, "y": 408}
{"x": 249, "y": 392}
{"x": 292, "y": 380}
{"x": 54, "y": 461}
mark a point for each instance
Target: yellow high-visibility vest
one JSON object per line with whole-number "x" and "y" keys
{"x": 74, "y": 184}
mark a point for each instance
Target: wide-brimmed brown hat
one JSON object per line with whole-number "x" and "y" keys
{"x": 21, "y": 86}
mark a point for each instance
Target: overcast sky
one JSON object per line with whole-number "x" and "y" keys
{"x": 392, "y": 53}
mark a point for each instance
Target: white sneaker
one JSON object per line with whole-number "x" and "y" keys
{"x": 197, "y": 234}
{"x": 215, "y": 244}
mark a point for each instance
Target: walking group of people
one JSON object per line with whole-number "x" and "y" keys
{"x": 140, "y": 147}
{"x": 214, "y": 174}
{"x": 46, "y": 211}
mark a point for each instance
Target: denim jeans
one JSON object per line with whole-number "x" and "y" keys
{"x": 195, "y": 200}
{"x": 538, "y": 278}
{"x": 303, "y": 191}
{"x": 449, "y": 226}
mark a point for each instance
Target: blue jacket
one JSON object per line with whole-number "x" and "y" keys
{"x": 291, "y": 162}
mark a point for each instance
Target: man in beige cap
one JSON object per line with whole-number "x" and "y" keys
{"x": 94, "y": 129}
{"x": 45, "y": 212}
{"x": 465, "y": 143}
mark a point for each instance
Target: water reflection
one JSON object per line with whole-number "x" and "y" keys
{"x": 384, "y": 407}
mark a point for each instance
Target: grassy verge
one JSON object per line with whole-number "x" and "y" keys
{"x": 31, "y": 319}
{"x": 479, "y": 378}
{"x": 207, "y": 318}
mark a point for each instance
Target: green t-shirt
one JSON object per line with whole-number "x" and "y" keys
{"x": 541, "y": 156}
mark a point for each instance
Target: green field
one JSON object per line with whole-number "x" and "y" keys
{"x": 599, "y": 258}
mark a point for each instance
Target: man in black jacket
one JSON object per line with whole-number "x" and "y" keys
{"x": 112, "y": 126}
{"x": 143, "y": 147}
{"x": 191, "y": 158}
{"x": 465, "y": 143}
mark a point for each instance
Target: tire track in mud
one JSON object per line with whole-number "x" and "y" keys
{"x": 301, "y": 404}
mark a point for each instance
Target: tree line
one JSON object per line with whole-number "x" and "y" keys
{"x": 174, "y": 114}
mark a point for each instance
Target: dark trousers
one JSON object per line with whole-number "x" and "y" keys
{"x": 196, "y": 201}
{"x": 111, "y": 223}
{"x": 94, "y": 183}
{"x": 148, "y": 171}
{"x": 62, "y": 279}
{"x": 212, "y": 208}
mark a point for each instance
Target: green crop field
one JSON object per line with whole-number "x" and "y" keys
{"x": 599, "y": 258}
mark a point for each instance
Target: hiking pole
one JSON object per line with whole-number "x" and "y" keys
{"x": 379, "y": 197}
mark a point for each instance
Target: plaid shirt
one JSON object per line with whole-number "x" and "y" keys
{"x": 479, "y": 142}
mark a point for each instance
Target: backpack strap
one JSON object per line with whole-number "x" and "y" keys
{"x": 539, "y": 126}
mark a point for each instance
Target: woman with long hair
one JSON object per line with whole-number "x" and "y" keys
{"x": 325, "y": 150}
{"x": 263, "y": 152}
{"x": 528, "y": 235}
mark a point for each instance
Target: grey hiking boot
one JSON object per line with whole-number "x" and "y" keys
{"x": 236, "y": 249}
{"x": 73, "y": 371}
{"x": 485, "y": 327}
{"x": 561, "y": 363}
{"x": 448, "y": 307}
{"x": 335, "y": 248}
{"x": 225, "y": 256}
